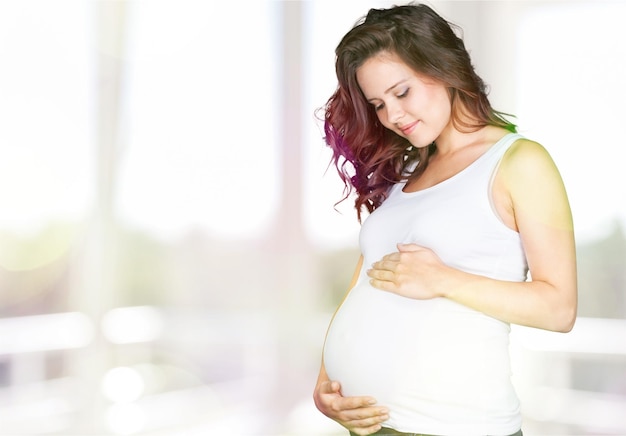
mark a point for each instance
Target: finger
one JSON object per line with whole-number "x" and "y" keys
{"x": 367, "y": 417}
{"x": 382, "y": 275}
{"x": 387, "y": 265}
{"x": 361, "y": 403}
{"x": 368, "y": 425}
{"x": 393, "y": 257}
{"x": 365, "y": 431}
{"x": 383, "y": 285}
{"x": 409, "y": 247}
{"x": 364, "y": 417}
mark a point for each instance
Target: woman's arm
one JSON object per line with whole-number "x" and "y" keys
{"x": 358, "y": 414}
{"x": 535, "y": 198}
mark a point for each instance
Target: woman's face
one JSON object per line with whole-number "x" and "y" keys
{"x": 412, "y": 105}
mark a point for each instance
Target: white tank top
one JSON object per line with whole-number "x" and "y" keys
{"x": 440, "y": 367}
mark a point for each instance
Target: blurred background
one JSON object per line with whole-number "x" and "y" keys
{"x": 170, "y": 250}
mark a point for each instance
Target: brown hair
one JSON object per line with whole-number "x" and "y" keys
{"x": 370, "y": 158}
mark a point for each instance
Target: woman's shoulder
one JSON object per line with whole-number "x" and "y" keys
{"x": 527, "y": 164}
{"x": 525, "y": 152}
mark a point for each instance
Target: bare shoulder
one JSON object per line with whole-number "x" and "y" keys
{"x": 535, "y": 186}
{"x": 527, "y": 159}
{"x": 525, "y": 149}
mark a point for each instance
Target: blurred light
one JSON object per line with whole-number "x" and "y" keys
{"x": 597, "y": 410}
{"x": 589, "y": 335}
{"x": 43, "y": 170}
{"x": 304, "y": 419}
{"x": 181, "y": 408}
{"x": 20, "y": 251}
{"x": 197, "y": 146}
{"x": 42, "y": 416}
{"x": 153, "y": 376}
{"x": 125, "y": 419}
{"x": 126, "y": 325}
{"x": 58, "y": 331}
{"x": 122, "y": 385}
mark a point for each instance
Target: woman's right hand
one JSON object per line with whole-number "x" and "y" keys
{"x": 360, "y": 415}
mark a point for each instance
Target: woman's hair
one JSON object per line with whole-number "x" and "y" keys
{"x": 369, "y": 157}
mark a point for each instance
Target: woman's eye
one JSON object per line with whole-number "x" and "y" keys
{"x": 403, "y": 93}
{"x": 378, "y": 107}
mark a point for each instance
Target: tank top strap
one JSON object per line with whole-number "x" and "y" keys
{"x": 500, "y": 147}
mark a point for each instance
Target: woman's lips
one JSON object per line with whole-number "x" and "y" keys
{"x": 408, "y": 128}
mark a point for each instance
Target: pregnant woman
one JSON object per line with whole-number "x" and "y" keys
{"x": 468, "y": 230}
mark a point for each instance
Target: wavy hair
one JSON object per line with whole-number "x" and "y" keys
{"x": 368, "y": 157}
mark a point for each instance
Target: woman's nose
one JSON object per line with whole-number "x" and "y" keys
{"x": 394, "y": 113}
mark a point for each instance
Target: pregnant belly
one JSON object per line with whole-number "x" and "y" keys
{"x": 371, "y": 336}
{"x": 392, "y": 347}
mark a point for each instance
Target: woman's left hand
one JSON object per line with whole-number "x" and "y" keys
{"x": 413, "y": 271}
